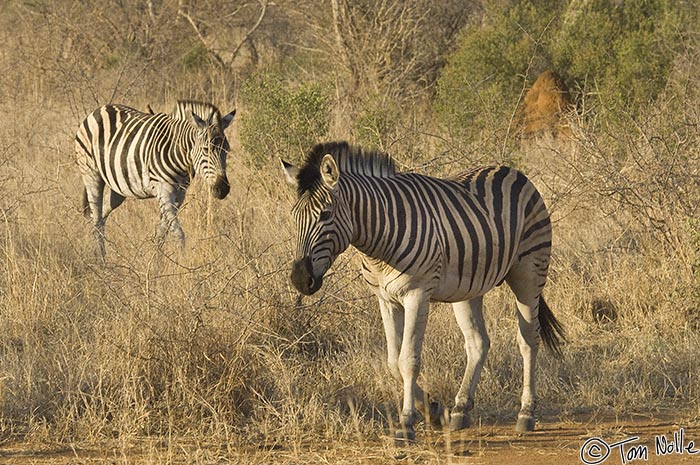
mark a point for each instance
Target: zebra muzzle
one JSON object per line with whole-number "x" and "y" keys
{"x": 221, "y": 188}
{"x": 303, "y": 277}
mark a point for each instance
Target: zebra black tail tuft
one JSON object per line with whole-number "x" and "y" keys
{"x": 551, "y": 330}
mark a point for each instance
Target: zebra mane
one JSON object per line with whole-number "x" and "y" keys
{"x": 351, "y": 159}
{"x": 184, "y": 108}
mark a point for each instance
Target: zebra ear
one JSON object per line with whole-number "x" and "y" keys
{"x": 329, "y": 171}
{"x": 228, "y": 119}
{"x": 199, "y": 122}
{"x": 290, "y": 173}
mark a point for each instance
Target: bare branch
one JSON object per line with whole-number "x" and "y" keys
{"x": 263, "y": 10}
{"x": 202, "y": 39}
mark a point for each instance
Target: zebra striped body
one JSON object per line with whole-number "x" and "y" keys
{"x": 420, "y": 251}
{"x": 427, "y": 239}
{"x": 140, "y": 155}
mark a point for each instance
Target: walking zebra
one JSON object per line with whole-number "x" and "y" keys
{"x": 145, "y": 155}
{"x": 425, "y": 239}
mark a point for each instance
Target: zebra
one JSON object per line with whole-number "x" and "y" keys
{"x": 144, "y": 155}
{"x": 423, "y": 240}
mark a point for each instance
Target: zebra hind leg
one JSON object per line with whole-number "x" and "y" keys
{"x": 528, "y": 342}
{"x": 527, "y": 286}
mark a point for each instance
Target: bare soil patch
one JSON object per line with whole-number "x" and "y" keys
{"x": 556, "y": 442}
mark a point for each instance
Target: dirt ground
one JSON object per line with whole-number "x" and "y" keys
{"x": 654, "y": 439}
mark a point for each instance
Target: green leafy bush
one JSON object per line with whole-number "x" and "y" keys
{"x": 481, "y": 82}
{"x": 620, "y": 52}
{"x": 281, "y": 118}
{"x": 376, "y": 126}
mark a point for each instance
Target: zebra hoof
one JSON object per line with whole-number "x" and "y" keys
{"x": 405, "y": 436}
{"x": 459, "y": 421}
{"x": 525, "y": 424}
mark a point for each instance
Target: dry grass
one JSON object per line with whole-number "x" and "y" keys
{"x": 213, "y": 346}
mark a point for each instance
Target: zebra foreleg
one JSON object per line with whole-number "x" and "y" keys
{"x": 170, "y": 199}
{"x": 92, "y": 206}
{"x": 415, "y": 319}
{"x": 470, "y": 318}
{"x": 169, "y": 224}
{"x": 393, "y": 320}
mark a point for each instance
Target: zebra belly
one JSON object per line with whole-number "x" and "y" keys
{"x": 128, "y": 184}
{"x": 394, "y": 285}
{"x": 391, "y": 284}
{"x": 135, "y": 193}
{"x": 446, "y": 282}
{"x": 449, "y": 291}
{"x": 457, "y": 284}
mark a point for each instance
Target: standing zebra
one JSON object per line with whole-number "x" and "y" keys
{"x": 142, "y": 155}
{"x": 426, "y": 239}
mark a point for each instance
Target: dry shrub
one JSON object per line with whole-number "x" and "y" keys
{"x": 622, "y": 193}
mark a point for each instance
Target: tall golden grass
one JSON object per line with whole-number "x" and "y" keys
{"x": 214, "y": 345}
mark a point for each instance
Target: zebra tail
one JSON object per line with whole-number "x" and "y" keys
{"x": 85, "y": 205}
{"x": 551, "y": 331}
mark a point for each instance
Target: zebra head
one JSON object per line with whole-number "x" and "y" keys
{"x": 210, "y": 160}
{"x": 324, "y": 226}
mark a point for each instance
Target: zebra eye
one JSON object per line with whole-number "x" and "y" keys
{"x": 325, "y": 215}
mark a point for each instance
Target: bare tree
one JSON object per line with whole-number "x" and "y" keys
{"x": 216, "y": 37}
{"x": 395, "y": 47}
